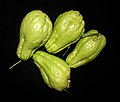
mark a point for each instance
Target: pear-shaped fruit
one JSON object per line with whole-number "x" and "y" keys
{"x": 68, "y": 28}
{"x": 87, "y": 49}
{"x": 54, "y": 70}
{"x": 35, "y": 30}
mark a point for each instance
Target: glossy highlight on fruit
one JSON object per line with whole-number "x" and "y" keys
{"x": 54, "y": 70}
{"x": 68, "y": 28}
{"x": 87, "y": 49}
{"x": 35, "y": 30}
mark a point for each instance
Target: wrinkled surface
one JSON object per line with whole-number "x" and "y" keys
{"x": 35, "y": 30}
{"x": 54, "y": 70}
{"x": 87, "y": 49}
{"x": 68, "y": 29}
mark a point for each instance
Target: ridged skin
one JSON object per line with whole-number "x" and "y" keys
{"x": 87, "y": 49}
{"x": 54, "y": 70}
{"x": 35, "y": 30}
{"x": 67, "y": 30}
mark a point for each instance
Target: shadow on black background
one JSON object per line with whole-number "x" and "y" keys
{"x": 92, "y": 81}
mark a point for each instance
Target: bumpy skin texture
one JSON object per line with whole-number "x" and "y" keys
{"x": 67, "y": 30}
{"x": 35, "y": 30}
{"x": 87, "y": 49}
{"x": 54, "y": 70}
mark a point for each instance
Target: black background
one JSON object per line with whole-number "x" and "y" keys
{"x": 92, "y": 81}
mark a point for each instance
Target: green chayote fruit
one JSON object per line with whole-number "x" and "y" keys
{"x": 87, "y": 49}
{"x": 54, "y": 70}
{"x": 35, "y": 30}
{"x": 67, "y": 30}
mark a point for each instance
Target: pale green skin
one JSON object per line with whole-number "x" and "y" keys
{"x": 67, "y": 30}
{"x": 86, "y": 50}
{"x": 54, "y": 70}
{"x": 35, "y": 30}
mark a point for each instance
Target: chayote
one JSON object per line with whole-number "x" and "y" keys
{"x": 54, "y": 70}
{"x": 67, "y": 30}
{"x": 35, "y": 30}
{"x": 87, "y": 49}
